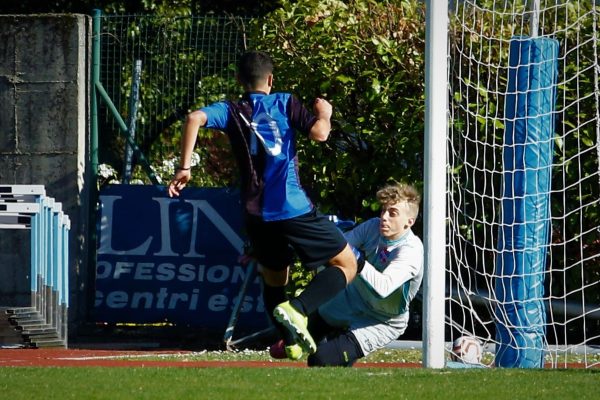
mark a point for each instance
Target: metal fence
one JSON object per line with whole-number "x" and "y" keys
{"x": 186, "y": 62}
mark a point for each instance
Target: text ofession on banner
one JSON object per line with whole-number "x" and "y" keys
{"x": 163, "y": 259}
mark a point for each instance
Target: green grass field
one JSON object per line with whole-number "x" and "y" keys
{"x": 283, "y": 382}
{"x": 295, "y": 383}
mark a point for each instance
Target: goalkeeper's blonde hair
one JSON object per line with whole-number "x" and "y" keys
{"x": 400, "y": 192}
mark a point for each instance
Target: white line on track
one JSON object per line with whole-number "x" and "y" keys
{"x": 134, "y": 356}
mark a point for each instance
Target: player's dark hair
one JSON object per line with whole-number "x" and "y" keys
{"x": 253, "y": 67}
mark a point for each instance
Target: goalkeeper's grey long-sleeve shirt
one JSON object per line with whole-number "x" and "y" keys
{"x": 391, "y": 276}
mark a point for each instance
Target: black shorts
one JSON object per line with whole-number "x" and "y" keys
{"x": 313, "y": 237}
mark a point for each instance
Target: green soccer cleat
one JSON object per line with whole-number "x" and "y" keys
{"x": 296, "y": 323}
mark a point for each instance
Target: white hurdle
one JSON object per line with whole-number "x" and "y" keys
{"x": 45, "y": 322}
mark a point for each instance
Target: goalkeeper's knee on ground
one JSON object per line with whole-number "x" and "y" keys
{"x": 341, "y": 351}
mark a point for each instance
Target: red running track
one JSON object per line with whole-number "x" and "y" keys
{"x": 59, "y": 357}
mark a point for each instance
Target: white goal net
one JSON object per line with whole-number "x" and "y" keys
{"x": 523, "y": 181}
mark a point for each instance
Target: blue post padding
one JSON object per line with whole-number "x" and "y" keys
{"x": 524, "y": 232}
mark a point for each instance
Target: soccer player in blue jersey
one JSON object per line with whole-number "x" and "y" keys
{"x": 280, "y": 219}
{"x": 374, "y": 309}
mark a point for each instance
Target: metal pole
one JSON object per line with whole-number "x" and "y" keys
{"x": 534, "y": 19}
{"x": 131, "y": 121}
{"x": 93, "y": 170}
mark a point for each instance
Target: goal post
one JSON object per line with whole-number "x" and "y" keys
{"x": 435, "y": 177}
{"x": 521, "y": 182}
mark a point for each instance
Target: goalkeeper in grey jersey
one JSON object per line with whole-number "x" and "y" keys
{"x": 373, "y": 310}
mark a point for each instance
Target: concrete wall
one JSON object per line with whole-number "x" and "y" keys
{"x": 44, "y": 138}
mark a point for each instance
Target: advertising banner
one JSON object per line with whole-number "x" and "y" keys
{"x": 173, "y": 260}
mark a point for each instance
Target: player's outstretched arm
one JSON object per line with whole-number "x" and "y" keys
{"x": 320, "y": 130}
{"x": 193, "y": 122}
